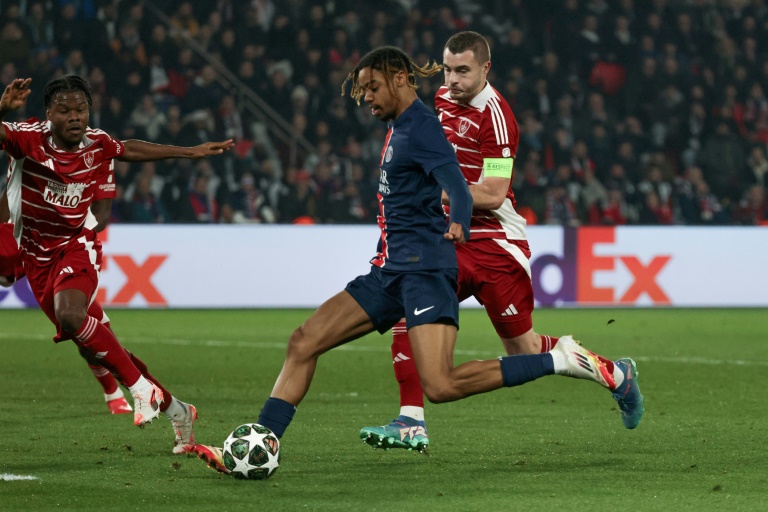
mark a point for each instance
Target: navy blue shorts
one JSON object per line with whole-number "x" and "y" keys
{"x": 423, "y": 297}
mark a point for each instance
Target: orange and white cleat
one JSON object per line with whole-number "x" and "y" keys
{"x": 119, "y": 406}
{"x": 213, "y": 456}
{"x": 582, "y": 363}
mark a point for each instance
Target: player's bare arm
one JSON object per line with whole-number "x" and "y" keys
{"x": 14, "y": 97}
{"x": 142, "y": 151}
{"x": 488, "y": 195}
{"x": 102, "y": 210}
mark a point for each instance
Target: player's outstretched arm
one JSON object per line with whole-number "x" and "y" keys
{"x": 142, "y": 151}
{"x": 14, "y": 97}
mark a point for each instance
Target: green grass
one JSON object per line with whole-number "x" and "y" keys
{"x": 552, "y": 443}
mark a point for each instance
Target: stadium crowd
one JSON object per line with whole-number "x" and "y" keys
{"x": 629, "y": 111}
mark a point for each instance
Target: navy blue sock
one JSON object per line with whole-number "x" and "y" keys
{"x": 516, "y": 370}
{"x": 276, "y": 415}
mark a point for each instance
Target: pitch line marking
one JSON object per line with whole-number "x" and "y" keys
{"x": 8, "y": 477}
{"x": 365, "y": 348}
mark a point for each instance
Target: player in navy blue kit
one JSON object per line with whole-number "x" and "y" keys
{"x": 413, "y": 274}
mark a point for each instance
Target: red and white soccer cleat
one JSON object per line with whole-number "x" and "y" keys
{"x": 582, "y": 363}
{"x": 119, "y": 406}
{"x": 213, "y": 456}
{"x": 147, "y": 403}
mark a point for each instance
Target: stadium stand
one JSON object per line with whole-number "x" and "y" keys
{"x": 630, "y": 112}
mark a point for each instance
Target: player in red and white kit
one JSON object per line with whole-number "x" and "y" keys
{"x": 60, "y": 190}
{"x": 494, "y": 264}
{"x": 11, "y": 270}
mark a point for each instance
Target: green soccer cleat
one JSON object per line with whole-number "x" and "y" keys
{"x": 403, "y": 432}
{"x": 627, "y": 395}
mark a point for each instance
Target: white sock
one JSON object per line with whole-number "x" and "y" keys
{"x": 412, "y": 411}
{"x": 558, "y": 361}
{"x": 141, "y": 385}
{"x": 112, "y": 396}
{"x": 177, "y": 410}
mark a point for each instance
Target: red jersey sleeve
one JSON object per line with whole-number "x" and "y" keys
{"x": 498, "y": 134}
{"x": 113, "y": 148}
{"x": 21, "y": 139}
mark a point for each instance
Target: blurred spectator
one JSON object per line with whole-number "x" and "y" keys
{"x": 608, "y": 89}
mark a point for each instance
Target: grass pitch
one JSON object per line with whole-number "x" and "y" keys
{"x": 556, "y": 443}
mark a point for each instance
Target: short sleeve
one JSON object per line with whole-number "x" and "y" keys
{"x": 498, "y": 135}
{"x": 113, "y": 148}
{"x": 21, "y": 138}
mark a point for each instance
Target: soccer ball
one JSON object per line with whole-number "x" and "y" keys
{"x": 252, "y": 452}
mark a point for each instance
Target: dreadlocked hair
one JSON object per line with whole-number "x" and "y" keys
{"x": 389, "y": 60}
{"x": 66, "y": 83}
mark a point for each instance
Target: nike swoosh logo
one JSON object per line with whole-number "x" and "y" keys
{"x": 418, "y": 311}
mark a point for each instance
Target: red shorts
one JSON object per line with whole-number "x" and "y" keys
{"x": 497, "y": 273}
{"x": 75, "y": 266}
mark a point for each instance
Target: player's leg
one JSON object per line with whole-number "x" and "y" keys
{"x": 337, "y": 321}
{"x": 432, "y": 331}
{"x": 507, "y": 294}
{"x": 408, "y": 430}
{"x": 113, "y": 395}
{"x": 70, "y": 309}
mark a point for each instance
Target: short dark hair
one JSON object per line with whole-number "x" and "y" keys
{"x": 66, "y": 83}
{"x": 390, "y": 60}
{"x": 468, "y": 40}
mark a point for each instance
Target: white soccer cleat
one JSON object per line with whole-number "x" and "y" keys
{"x": 581, "y": 363}
{"x": 147, "y": 404}
{"x": 185, "y": 438}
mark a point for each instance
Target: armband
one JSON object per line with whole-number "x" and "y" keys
{"x": 498, "y": 167}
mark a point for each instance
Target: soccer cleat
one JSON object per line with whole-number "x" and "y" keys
{"x": 119, "y": 406}
{"x": 147, "y": 405}
{"x": 403, "y": 432}
{"x": 212, "y": 455}
{"x": 582, "y": 363}
{"x": 627, "y": 394}
{"x": 185, "y": 438}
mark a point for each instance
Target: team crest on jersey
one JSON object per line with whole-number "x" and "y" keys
{"x": 66, "y": 196}
{"x": 463, "y": 126}
{"x": 88, "y": 158}
{"x": 388, "y": 155}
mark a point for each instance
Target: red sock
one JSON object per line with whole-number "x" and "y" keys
{"x": 406, "y": 374}
{"x": 106, "y": 379}
{"x": 103, "y": 345}
{"x": 143, "y": 369}
{"x": 548, "y": 343}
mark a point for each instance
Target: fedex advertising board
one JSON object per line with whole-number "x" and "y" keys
{"x": 301, "y": 266}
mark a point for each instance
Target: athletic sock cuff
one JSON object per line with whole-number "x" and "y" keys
{"x": 276, "y": 415}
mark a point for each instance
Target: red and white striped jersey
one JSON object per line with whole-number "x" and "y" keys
{"x": 485, "y": 128}
{"x": 50, "y": 190}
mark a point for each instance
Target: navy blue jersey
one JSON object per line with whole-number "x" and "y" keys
{"x": 411, "y": 215}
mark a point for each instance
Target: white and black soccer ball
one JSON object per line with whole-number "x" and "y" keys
{"x": 252, "y": 452}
